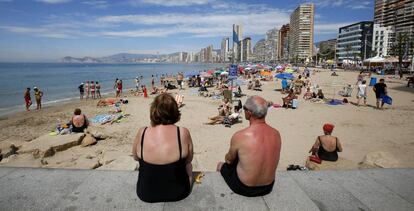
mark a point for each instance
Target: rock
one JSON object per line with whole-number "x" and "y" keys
{"x": 7, "y": 149}
{"x": 109, "y": 156}
{"x": 25, "y": 160}
{"x": 124, "y": 162}
{"x": 46, "y": 145}
{"x": 98, "y": 133}
{"x": 379, "y": 159}
{"x": 88, "y": 140}
{"x": 340, "y": 164}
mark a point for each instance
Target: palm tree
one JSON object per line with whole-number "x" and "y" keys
{"x": 402, "y": 43}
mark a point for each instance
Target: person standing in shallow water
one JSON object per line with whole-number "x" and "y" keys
{"x": 98, "y": 90}
{"x": 81, "y": 91}
{"x": 27, "y": 99}
{"x": 250, "y": 164}
{"x": 38, "y": 96}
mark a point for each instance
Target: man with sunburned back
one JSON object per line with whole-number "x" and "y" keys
{"x": 250, "y": 165}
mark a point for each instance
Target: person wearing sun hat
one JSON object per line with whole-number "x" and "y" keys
{"x": 326, "y": 147}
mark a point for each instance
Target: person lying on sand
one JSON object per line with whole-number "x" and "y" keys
{"x": 327, "y": 146}
{"x": 232, "y": 118}
{"x": 107, "y": 102}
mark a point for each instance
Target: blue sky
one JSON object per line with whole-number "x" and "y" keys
{"x": 46, "y": 30}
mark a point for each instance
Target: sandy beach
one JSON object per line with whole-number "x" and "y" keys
{"x": 361, "y": 130}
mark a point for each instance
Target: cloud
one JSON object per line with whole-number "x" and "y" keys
{"x": 351, "y": 4}
{"x": 98, "y": 4}
{"x": 169, "y": 3}
{"x": 54, "y": 1}
{"x": 40, "y": 32}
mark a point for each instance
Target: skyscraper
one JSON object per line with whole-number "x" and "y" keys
{"x": 301, "y": 33}
{"x": 224, "y": 53}
{"x": 396, "y": 15}
{"x": 354, "y": 42}
{"x": 247, "y": 49}
{"x": 259, "y": 50}
{"x": 272, "y": 37}
{"x": 237, "y": 38}
{"x": 283, "y": 43}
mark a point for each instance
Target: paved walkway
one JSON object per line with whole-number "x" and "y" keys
{"x": 51, "y": 189}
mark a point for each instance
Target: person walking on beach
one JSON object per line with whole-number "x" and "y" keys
{"x": 250, "y": 164}
{"x": 180, "y": 78}
{"x": 362, "y": 92}
{"x": 137, "y": 84}
{"x": 98, "y": 90}
{"x": 81, "y": 91}
{"x": 380, "y": 90}
{"x": 152, "y": 81}
{"x": 27, "y": 99}
{"x": 38, "y": 96}
{"x": 92, "y": 89}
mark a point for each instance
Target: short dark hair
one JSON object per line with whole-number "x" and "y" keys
{"x": 164, "y": 110}
{"x": 381, "y": 79}
{"x": 77, "y": 111}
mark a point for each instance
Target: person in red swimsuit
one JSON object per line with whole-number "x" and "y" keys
{"x": 27, "y": 99}
{"x": 145, "y": 91}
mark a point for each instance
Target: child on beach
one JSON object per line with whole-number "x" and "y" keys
{"x": 362, "y": 92}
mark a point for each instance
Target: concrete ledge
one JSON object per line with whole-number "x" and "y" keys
{"x": 63, "y": 189}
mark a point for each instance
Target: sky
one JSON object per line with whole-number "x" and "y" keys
{"x": 47, "y": 30}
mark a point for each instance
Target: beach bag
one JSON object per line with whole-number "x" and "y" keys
{"x": 387, "y": 99}
{"x": 315, "y": 159}
{"x": 295, "y": 103}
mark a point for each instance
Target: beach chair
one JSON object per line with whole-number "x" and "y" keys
{"x": 179, "y": 99}
{"x": 227, "y": 94}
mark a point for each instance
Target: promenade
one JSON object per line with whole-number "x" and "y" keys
{"x": 62, "y": 189}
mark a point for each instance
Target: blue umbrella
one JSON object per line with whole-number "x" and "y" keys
{"x": 284, "y": 75}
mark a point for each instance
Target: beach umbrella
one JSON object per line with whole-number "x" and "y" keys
{"x": 265, "y": 73}
{"x": 210, "y": 72}
{"x": 330, "y": 61}
{"x": 205, "y": 75}
{"x": 285, "y": 75}
{"x": 224, "y": 73}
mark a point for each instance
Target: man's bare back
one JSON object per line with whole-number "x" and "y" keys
{"x": 251, "y": 162}
{"x": 258, "y": 150}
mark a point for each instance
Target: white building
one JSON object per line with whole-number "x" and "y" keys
{"x": 272, "y": 37}
{"x": 381, "y": 40}
{"x": 237, "y": 38}
{"x": 225, "y": 48}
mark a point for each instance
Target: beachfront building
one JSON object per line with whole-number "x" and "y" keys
{"x": 354, "y": 42}
{"x": 259, "y": 50}
{"x": 247, "y": 49}
{"x": 301, "y": 33}
{"x": 382, "y": 38}
{"x": 271, "y": 45}
{"x": 237, "y": 42}
{"x": 283, "y": 43}
{"x": 224, "y": 51}
{"x": 399, "y": 16}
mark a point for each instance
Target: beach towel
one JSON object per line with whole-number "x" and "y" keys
{"x": 335, "y": 102}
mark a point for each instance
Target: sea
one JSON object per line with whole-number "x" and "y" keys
{"x": 59, "y": 81}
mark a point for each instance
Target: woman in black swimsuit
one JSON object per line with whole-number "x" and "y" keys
{"x": 327, "y": 146}
{"x": 164, "y": 152}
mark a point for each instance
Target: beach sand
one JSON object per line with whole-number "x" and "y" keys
{"x": 361, "y": 130}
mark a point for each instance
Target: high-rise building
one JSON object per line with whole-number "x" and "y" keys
{"x": 354, "y": 41}
{"x": 237, "y": 41}
{"x": 272, "y": 37}
{"x": 382, "y": 39}
{"x": 283, "y": 43}
{"x": 399, "y": 16}
{"x": 247, "y": 49}
{"x": 224, "y": 51}
{"x": 259, "y": 50}
{"x": 301, "y": 33}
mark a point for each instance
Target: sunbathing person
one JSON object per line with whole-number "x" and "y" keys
{"x": 250, "y": 164}
{"x": 232, "y": 118}
{"x": 107, "y": 102}
{"x": 164, "y": 152}
{"x": 250, "y": 85}
{"x": 287, "y": 101}
{"x": 327, "y": 146}
{"x": 320, "y": 94}
{"x": 79, "y": 121}
{"x": 308, "y": 94}
{"x": 225, "y": 108}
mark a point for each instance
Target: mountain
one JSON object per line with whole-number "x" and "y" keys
{"x": 117, "y": 58}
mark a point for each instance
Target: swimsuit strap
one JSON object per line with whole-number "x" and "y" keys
{"x": 142, "y": 143}
{"x": 179, "y": 140}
